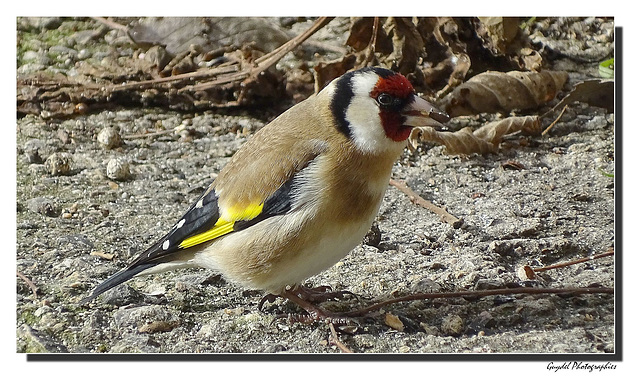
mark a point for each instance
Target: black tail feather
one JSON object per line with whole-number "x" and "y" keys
{"x": 116, "y": 280}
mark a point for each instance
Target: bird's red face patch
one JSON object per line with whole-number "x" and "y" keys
{"x": 395, "y": 85}
{"x": 397, "y": 89}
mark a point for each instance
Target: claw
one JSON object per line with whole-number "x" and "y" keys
{"x": 267, "y": 298}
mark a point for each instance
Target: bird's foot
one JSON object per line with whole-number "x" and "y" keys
{"x": 305, "y": 298}
{"x": 315, "y": 313}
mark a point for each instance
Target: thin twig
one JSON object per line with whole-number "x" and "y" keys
{"x": 153, "y": 134}
{"x": 417, "y": 199}
{"x": 569, "y": 263}
{"x": 370, "y": 55}
{"x": 483, "y": 293}
{"x": 200, "y": 74}
{"x": 554, "y": 121}
{"x": 33, "y": 287}
{"x": 111, "y": 24}
{"x": 374, "y": 37}
{"x": 336, "y": 341}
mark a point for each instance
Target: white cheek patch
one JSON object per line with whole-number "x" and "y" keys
{"x": 364, "y": 120}
{"x": 365, "y": 125}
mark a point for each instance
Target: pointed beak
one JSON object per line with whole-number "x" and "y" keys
{"x": 421, "y": 113}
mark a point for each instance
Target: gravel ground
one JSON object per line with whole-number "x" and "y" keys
{"x": 87, "y": 204}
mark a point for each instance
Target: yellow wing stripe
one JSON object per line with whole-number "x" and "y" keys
{"x": 224, "y": 224}
{"x": 234, "y": 214}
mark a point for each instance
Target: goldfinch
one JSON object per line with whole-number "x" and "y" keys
{"x": 301, "y": 193}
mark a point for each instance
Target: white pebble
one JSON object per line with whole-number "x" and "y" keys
{"x": 109, "y": 138}
{"x": 118, "y": 169}
{"x": 59, "y": 163}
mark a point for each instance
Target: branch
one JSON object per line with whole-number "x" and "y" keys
{"x": 111, "y": 24}
{"x": 569, "y": 263}
{"x": 554, "y": 121}
{"x": 483, "y": 293}
{"x": 336, "y": 341}
{"x": 33, "y": 287}
{"x": 225, "y": 68}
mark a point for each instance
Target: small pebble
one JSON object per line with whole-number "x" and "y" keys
{"x": 452, "y": 325}
{"x": 63, "y": 136}
{"x": 59, "y": 163}
{"x": 43, "y": 205}
{"x": 84, "y": 54}
{"x": 83, "y": 37}
{"x": 33, "y": 56}
{"x": 374, "y": 236}
{"x": 109, "y": 138}
{"x": 30, "y": 67}
{"x": 158, "y": 326}
{"x": 118, "y": 169}
{"x": 33, "y": 150}
{"x": 63, "y": 50}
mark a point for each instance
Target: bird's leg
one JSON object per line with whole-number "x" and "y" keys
{"x": 312, "y": 295}
{"x": 305, "y": 298}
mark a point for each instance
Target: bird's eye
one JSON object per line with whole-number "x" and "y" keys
{"x": 385, "y": 99}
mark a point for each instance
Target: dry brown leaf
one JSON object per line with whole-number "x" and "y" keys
{"x": 498, "y": 32}
{"x": 394, "y": 322}
{"x": 485, "y": 139}
{"x": 325, "y": 72}
{"x": 360, "y": 34}
{"x": 397, "y": 45}
{"x": 494, "y": 91}
{"x": 596, "y": 92}
{"x": 526, "y": 273}
{"x": 408, "y": 46}
{"x": 435, "y": 53}
{"x": 502, "y": 36}
{"x": 445, "y": 31}
{"x": 494, "y": 131}
{"x": 454, "y": 69}
{"x": 529, "y": 59}
{"x": 460, "y": 142}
